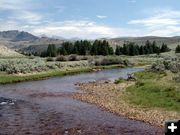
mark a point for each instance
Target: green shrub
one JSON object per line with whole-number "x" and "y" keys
{"x": 61, "y": 58}
{"x": 49, "y": 59}
{"x": 109, "y": 61}
{"x": 73, "y": 58}
{"x": 158, "y": 67}
{"x": 84, "y": 58}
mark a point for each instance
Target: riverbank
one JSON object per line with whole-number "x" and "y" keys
{"x": 125, "y": 99}
{"x": 15, "y": 78}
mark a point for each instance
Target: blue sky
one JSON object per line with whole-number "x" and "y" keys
{"x": 91, "y": 19}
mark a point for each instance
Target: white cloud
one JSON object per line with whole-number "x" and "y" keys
{"x": 20, "y": 11}
{"x": 81, "y": 29}
{"x": 168, "y": 17}
{"x": 8, "y": 25}
{"x": 69, "y": 29}
{"x": 27, "y": 17}
{"x": 14, "y": 4}
{"x": 161, "y": 23}
{"x": 101, "y": 16}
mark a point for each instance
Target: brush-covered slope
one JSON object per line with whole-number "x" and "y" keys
{"x": 6, "y": 52}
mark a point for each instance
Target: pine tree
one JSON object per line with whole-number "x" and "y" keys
{"x": 94, "y": 49}
{"x": 54, "y": 50}
{"x": 131, "y": 49}
{"x": 141, "y": 50}
{"x": 104, "y": 48}
{"x": 154, "y": 47}
{"x": 76, "y": 49}
{"x": 63, "y": 51}
{"x": 137, "y": 49}
{"x": 164, "y": 48}
{"x": 178, "y": 49}
{"x": 111, "y": 51}
{"x": 148, "y": 48}
{"x": 51, "y": 50}
{"x": 118, "y": 50}
{"x": 125, "y": 49}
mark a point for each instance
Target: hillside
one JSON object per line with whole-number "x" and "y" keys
{"x": 26, "y": 42}
{"x": 6, "y": 52}
{"x": 172, "y": 42}
{"x": 16, "y": 35}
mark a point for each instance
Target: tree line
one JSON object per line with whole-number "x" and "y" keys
{"x": 132, "y": 49}
{"x": 99, "y": 47}
{"x": 85, "y": 47}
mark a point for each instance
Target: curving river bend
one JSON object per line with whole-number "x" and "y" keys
{"x": 45, "y": 108}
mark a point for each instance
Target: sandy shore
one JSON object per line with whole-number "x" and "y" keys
{"x": 111, "y": 97}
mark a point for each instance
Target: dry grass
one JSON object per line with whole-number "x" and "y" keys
{"x": 110, "y": 96}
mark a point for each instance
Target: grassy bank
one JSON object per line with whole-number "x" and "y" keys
{"x": 5, "y": 78}
{"x": 14, "y": 78}
{"x": 155, "y": 90}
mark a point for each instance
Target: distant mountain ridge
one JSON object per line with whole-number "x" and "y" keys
{"x": 15, "y": 35}
{"x": 26, "y": 42}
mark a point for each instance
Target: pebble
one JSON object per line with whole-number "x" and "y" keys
{"x": 3, "y": 103}
{"x": 6, "y": 101}
{"x": 66, "y": 132}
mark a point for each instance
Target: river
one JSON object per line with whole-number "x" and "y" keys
{"x": 45, "y": 107}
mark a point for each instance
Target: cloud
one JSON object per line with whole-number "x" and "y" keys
{"x": 81, "y": 29}
{"x": 20, "y": 11}
{"x": 8, "y": 25}
{"x": 27, "y": 17}
{"x": 73, "y": 28}
{"x": 101, "y": 16}
{"x": 167, "y": 17}
{"x": 161, "y": 23}
{"x": 14, "y": 4}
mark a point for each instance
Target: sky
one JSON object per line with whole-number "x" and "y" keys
{"x": 90, "y": 19}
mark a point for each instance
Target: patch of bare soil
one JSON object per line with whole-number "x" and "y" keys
{"x": 110, "y": 96}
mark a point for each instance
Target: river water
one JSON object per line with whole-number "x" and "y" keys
{"x": 46, "y": 108}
